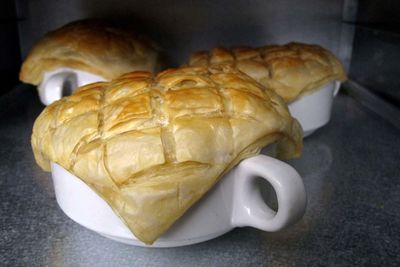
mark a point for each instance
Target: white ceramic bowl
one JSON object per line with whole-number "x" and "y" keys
{"x": 314, "y": 110}
{"x": 234, "y": 202}
{"x": 62, "y": 82}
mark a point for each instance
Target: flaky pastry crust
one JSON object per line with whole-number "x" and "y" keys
{"x": 93, "y": 46}
{"x": 153, "y": 146}
{"x": 291, "y": 70}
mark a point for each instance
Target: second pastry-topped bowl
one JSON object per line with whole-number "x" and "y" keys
{"x": 307, "y": 77}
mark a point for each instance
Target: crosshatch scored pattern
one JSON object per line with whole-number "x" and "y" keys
{"x": 291, "y": 70}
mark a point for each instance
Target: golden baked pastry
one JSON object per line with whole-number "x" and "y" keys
{"x": 89, "y": 45}
{"x": 151, "y": 147}
{"x": 290, "y": 70}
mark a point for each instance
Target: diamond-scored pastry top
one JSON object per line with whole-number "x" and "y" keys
{"x": 136, "y": 104}
{"x": 290, "y": 70}
{"x": 143, "y": 143}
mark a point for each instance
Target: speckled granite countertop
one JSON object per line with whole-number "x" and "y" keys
{"x": 351, "y": 170}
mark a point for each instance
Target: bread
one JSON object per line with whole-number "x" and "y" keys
{"x": 290, "y": 70}
{"x": 153, "y": 146}
{"x": 93, "y": 46}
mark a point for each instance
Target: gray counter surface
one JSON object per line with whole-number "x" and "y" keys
{"x": 351, "y": 171}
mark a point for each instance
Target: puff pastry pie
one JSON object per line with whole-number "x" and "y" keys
{"x": 153, "y": 146}
{"x": 290, "y": 70}
{"x": 93, "y": 46}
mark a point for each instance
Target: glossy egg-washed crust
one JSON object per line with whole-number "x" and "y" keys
{"x": 290, "y": 70}
{"x": 93, "y": 46}
{"x": 152, "y": 146}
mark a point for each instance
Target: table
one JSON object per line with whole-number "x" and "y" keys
{"x": 351, "y": 171}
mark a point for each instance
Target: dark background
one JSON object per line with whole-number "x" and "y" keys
{"x": 375, "y": 54}
{"x": 376, "y": 48}
{"x": 10, "y": 58}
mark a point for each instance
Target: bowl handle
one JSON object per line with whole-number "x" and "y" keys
{"x": 249, "y": 209}
{"x": 336, "y": 88}
{"x": 57, "y": 86}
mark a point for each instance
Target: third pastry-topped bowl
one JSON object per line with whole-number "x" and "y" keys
{"x": 83, "y": 52}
